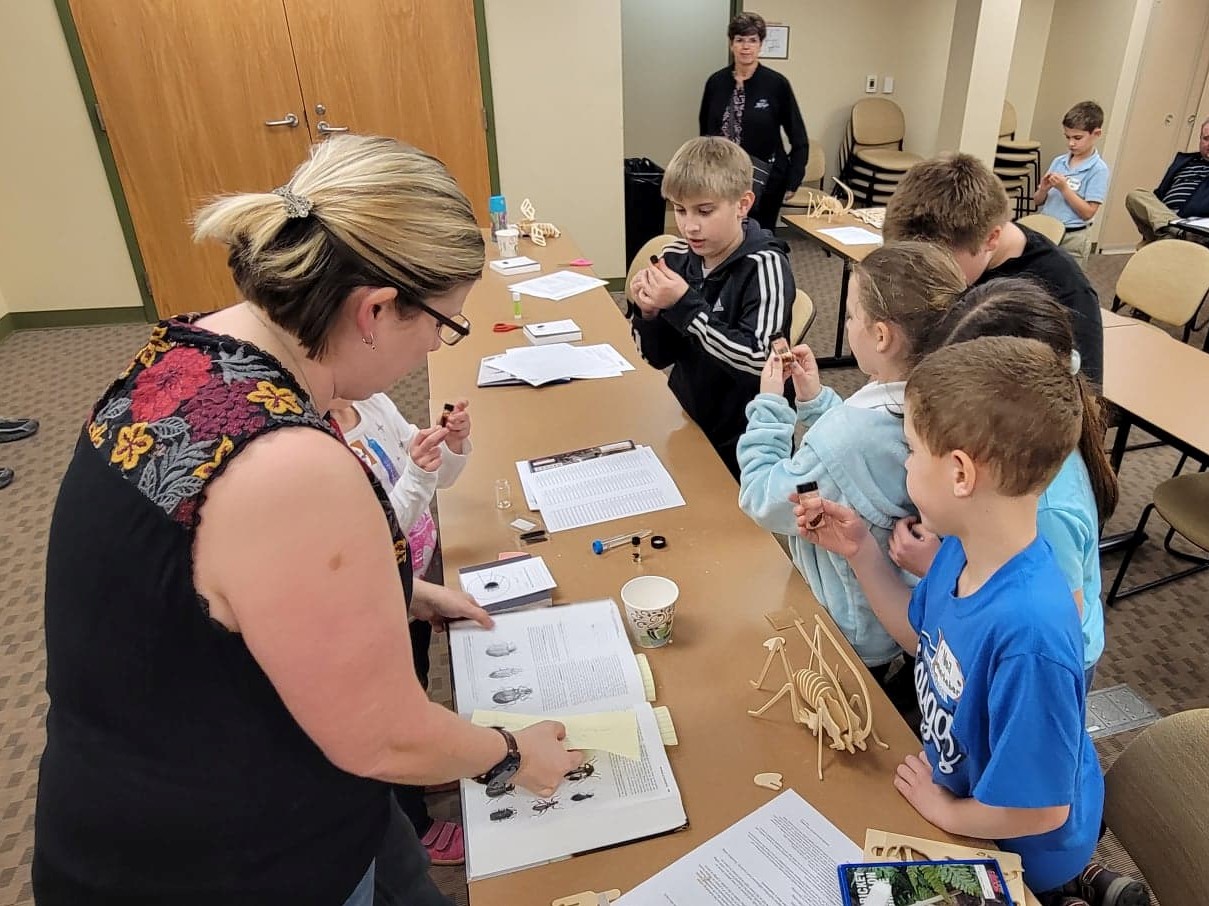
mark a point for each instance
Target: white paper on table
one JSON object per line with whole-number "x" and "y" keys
{"x": 573, "y": 659}
{"x": 526, "y": 476}
{"x": 606, "y": 353}
{"x": 539, "y": 365}
{"x": 602, "y": 489}
{"x": 853, "y": 236}
{"x": 785, "y": 853}
{"x": 557, "y": 286}
{"x": 516, "y": 578}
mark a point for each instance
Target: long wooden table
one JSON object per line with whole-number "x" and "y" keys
{"x": 812, "y": 228}
{"x": 1159, "y": 385}
{"x": 730, "y": 573}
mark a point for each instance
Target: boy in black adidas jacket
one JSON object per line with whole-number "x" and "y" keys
{"x": 712, "y": 304}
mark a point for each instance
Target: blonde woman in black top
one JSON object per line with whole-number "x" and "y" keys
{"x": 228, "y": 590}
{"x": 753, "y": 105}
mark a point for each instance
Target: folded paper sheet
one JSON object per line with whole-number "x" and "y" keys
{"x": 604, "y": 731}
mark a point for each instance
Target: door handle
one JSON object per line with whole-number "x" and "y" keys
{"x": 290, "y": 120}
{"x": 326, "y": 128}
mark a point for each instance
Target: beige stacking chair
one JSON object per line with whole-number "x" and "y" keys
{"x": 872, "y": 160}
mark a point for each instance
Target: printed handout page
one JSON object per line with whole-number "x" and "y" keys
{"x": 785, "y": 853}
{"x": 572, "y": 659}
{"x": 853, "y": 236}
{"x": 601, "y": 489}
{"x": 608, "y": 801}
{"x": 557, "y": 286}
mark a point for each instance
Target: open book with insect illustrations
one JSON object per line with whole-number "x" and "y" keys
{"x": 574, "y": 662}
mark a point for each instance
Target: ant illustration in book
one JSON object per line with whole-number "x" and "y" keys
{"x": 583, "y": 772}
{"x": 494, "y": 792}
{"x": 503, "y": 814}
{"x": 581, "y": 797}
{"x": 817, "y": 699}
{"x": 541, "y": 806}
{"x": 500, "y": 649}
{"x": 505, "y": 672}
{"x": 511, "y": 696}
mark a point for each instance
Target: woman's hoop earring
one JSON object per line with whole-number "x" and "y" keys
{"x": 369, "y": 341}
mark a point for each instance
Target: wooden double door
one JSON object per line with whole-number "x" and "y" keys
{"x": 202, "y": 97}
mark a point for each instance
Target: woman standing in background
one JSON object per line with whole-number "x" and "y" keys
{"x": 751, "y": 105}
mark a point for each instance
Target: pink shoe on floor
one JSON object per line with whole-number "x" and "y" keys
{"x": 445, "y": 843}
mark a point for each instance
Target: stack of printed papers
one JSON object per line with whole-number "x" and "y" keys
{"x": 538, "y": 365}
{"x": 557, "y": 286}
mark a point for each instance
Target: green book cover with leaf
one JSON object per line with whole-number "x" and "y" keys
{"x": 953, "y": 883}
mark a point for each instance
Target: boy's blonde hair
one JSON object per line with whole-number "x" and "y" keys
{"x": 361, "y": 211}
{"x": 1009, "y": 403}
{"x": 953, "y": 199}
{"x": 910, "y": 284}
{"x": 708, "y": 167}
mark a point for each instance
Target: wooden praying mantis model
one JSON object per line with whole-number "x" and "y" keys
{"x": 820, "y": 205}
{"x": 816, "y": 697}
{"x": 538, "y": 232}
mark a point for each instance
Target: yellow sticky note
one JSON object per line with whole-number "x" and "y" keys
{"x": 605, "y": 731}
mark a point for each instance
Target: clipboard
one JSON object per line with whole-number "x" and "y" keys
{"x": 555, "y": 460}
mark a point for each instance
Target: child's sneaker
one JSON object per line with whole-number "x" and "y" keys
{"x": 445, "y": 843}
{"x": 1102, "y": 886}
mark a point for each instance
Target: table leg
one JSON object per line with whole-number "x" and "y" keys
{"x": 839, "y": 360}
{"x": 1109, "y": 543}
{"x": 1120, "y": 441}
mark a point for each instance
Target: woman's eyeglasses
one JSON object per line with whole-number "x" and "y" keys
{"x": 452, "y": 330}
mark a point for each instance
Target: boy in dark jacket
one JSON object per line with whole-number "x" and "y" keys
{"x": 711, "y": 305}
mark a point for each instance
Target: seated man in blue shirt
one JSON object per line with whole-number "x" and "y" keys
{"x": 1184, "y": 192}
{"x": 1077, "y": 183}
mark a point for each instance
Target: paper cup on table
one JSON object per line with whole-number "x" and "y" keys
{"x": 650, "y": 606}
{"x": 508, "y": 238}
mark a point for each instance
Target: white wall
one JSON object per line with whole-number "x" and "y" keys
{"x": 1028, "y": 61}
{"x": 668, "y": 49}
{"x": 559, "y": 124}
{"x": 833, "y": 47}
{"x": 61, "y": 245}
{"x": 1100, "y": 30}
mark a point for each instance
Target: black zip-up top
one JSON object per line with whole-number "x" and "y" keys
{"x": 718, "y": 335}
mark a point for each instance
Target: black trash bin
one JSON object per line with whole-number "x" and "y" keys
{"x": 644, "y": 205}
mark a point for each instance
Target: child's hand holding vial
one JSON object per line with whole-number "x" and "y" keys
{"x": 806, "y": 490}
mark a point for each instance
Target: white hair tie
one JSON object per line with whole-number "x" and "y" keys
{"x": 1076, "y": 361}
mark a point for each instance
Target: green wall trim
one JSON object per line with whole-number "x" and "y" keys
{"x": 480, "y": 30}
{"x": 107, "y": 160}
{"x": 615, "y": 284}
{"x": 73, "y": 317}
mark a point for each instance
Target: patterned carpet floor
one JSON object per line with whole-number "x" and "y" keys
{"x": 1157, "y": 642}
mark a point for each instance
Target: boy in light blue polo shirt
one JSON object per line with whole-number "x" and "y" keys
{"x": 1077, "y": 182}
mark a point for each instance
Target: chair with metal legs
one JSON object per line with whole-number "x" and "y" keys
{"x": 1184, "y": 502}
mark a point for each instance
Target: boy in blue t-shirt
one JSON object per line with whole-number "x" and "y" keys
{"x": 1077, "y": 182}
{"x": 999, "y": 669}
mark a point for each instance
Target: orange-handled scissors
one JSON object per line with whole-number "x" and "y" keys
{"x": 505, "y": 326}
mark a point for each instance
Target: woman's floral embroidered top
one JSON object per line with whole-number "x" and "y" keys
{"x": 188, "y": 402}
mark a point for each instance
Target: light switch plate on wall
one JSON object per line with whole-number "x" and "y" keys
{"x": 871, "y": 84}
{"x": 888, "y": 85}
